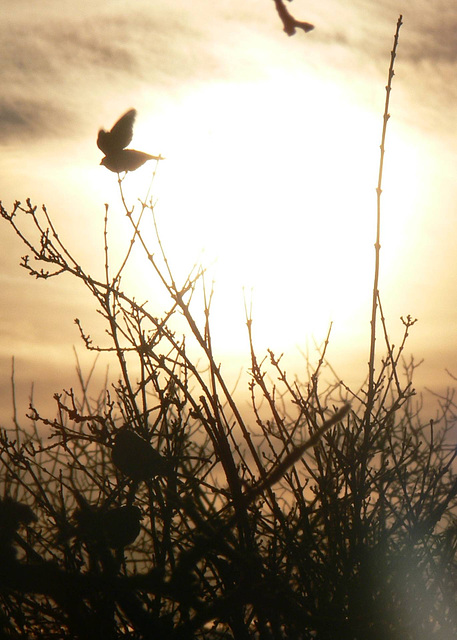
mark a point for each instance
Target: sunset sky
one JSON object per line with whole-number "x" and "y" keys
{"x": 272, "y": 152}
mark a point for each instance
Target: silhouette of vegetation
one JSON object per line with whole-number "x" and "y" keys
{"x": 159, "y": 510}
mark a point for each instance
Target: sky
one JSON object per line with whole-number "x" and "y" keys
{"x": 272, "y": 155}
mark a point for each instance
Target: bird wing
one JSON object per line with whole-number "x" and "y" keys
{"x": 120, "y": 135}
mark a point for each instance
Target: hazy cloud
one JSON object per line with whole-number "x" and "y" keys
{"x": 57, "y": 62}
{"x": 28, "y": 119}
{"x": 60, "y": 65}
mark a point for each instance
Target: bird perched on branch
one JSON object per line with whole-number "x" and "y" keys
{"x": 136, "y": 458}
{"x": 112, "y": 143}
{"x": 13, "y": 514}
{"x": 116, "y": 528}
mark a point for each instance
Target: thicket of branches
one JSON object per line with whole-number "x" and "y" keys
{"x": 158, "y": 510}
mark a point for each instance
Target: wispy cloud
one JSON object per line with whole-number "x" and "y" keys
{"x": 59, "y": 67}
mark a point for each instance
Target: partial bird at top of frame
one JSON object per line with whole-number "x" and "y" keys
{"x": 117, "y": 158}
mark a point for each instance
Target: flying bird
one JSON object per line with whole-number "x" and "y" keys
{"x": 136, "y": 458}
{"x": 289, "y": 22}
{"x": 117, "y": 158}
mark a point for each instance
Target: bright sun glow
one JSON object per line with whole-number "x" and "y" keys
{"x": 275, "y": 193}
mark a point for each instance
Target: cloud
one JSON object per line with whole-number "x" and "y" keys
{"x": 70, "y": 61}
{"x": 32, "y": 118}
{"x": 429, "y": 31}
{"x": 66, "y": 70}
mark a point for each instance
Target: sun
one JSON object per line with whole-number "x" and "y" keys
{"x": 275, "y": 193}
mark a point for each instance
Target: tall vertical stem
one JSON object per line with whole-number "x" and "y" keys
{"x": 371, "y": 362}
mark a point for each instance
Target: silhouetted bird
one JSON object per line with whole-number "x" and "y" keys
{"x": 136, "y": 458}
{"x": 112, "y": 143}
{"x": 12, "y": 515}
{"x": 116, "y": 528}
{"x": 122, "y": 525}
{"x": 289, "y": 22}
